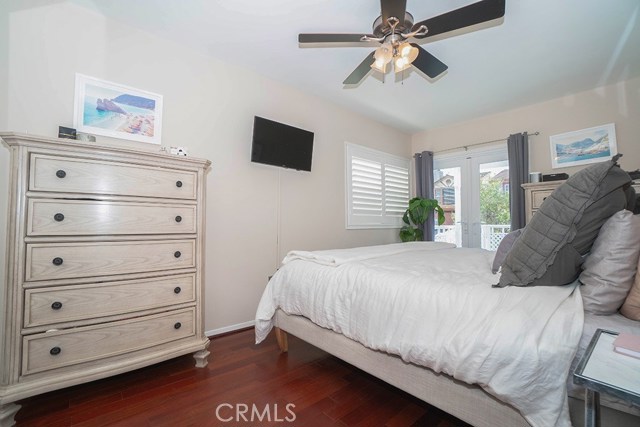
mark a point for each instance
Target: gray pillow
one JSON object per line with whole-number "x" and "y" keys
{"x": 549, "y": 251}
{"x": 503, "y": 249}
{"x": 611, "y": 266}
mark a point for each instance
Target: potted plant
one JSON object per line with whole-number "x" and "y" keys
{"x": 417, "y": 213}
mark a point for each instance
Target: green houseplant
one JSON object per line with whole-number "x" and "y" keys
{"x": 415, "y": 215}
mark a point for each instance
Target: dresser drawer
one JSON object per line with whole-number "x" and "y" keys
{"x": 75, "y": 218}
{"x": 48, "y": 261}
{"x": 46, "y": 306}
{"x": 71, "y": 175}
{"x": 538, "y": 197}
{"x": 56, "y": 349}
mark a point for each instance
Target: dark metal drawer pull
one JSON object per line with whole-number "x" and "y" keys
{"x": 61, "y": 174}
{"x": 177, "y": 254}
{"x": 178, "y": 218}
{"x": 57, "y": 305}
{"x": 55, "y": 351}
{"x": 178, "y": 184}
{"x": 177, "y": 290}
{"x": 57, "y": 261}
{"x": 177, "y": 325}
{"x": 59, "y": 217}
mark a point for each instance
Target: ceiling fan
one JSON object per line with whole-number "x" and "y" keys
{"x": 395, "y": 26}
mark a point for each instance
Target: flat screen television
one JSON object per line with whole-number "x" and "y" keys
{"x": 281, "y": 145}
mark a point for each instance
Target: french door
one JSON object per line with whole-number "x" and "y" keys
{"x": 473, "y": 189}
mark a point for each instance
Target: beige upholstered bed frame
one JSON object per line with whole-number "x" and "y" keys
{"x": 469, "y": 403}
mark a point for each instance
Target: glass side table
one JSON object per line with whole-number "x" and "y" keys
{"x": 603, "y": 370}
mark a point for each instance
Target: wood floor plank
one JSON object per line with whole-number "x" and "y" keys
{"x": 326, "y": 392}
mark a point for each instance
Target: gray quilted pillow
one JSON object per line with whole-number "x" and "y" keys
{"x": 550, "y": 250}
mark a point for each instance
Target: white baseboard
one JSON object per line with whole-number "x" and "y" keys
{"x": 230, "y": 328}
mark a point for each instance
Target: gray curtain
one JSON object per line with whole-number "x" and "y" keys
{"x": 424, "y": 187}
{"x": 518, "y": 149}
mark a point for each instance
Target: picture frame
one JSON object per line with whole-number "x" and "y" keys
{"x": 583, "y": 147}
{"x": 115, "y": 110}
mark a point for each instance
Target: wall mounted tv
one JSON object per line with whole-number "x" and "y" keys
{"x": 282, "y": 145}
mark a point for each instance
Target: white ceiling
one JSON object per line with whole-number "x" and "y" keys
{"x": 544, "y": 49}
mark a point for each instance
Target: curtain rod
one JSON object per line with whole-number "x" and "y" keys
{"x": 466, "y": 147}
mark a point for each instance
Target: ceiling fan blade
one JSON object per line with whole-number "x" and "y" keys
{"x": 427, "y": 63}
{"x": 361, "y": 71}
{"x": 331, "y": 38}
{"x": 393, "y": 8}
{"x": 475, "y": 13}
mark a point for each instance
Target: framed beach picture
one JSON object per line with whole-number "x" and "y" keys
{"x": 111, "y": 109}
{"x": 583, "y": 147}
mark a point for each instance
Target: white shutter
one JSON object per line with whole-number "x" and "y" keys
{"x": 396, "y": 190}
{"x": 366, "y": 187}
{"x": 378, "y": 188}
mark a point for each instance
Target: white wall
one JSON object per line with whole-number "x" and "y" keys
{"x": 619, "y": 104}
{"x": 208, "y": 107}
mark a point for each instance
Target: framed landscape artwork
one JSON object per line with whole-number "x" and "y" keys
{"x": 111, "y": 109}
{"x": 584, "y": 146}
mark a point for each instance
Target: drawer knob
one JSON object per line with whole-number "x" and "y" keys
{"x": 177, "y": 254}
{"x": 178, "y": 218}
{"x": 57, "y": 305}
{"x": 57, "y": 261}
{"x": 59, "y": 217}
{"x": 178, "y": 184}
{"x": 177, "y": 290}
{"x": 60, "y": 173}
{"x": 177, "y": 325}
{"x": 55, "y": 351}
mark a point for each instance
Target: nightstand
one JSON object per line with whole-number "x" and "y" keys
{"x": 603, "y": 370}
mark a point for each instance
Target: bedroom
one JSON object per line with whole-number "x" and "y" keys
{"x": 210, "y": 101}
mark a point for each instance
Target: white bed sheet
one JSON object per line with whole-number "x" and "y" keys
{"x": 435, "y": 307}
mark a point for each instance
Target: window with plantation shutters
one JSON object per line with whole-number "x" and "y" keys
{"x": 377, "y": 188}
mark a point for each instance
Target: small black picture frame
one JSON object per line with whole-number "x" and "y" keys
{"x": 65, "y": 132}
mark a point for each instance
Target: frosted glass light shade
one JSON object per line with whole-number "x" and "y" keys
{"x": 383, "y": 56}
{"x": 406, "y": 55}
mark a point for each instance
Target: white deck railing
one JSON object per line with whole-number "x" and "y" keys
{"x": 491, "y": 234}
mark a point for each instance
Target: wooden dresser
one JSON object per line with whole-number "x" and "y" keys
{"x": 105, "y": 250}
{"x": 536, "y": 193}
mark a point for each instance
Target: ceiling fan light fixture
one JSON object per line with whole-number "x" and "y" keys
{"x": 405, "y": 49}
{"x": 405, "y": 57}
{"x": 401, "y": 64}
{"x": 383, "y": 56}
{"x": 379, "y": 66}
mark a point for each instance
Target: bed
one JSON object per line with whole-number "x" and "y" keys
{"x": 438, "y": 322}
{"x": 315, "y": 294}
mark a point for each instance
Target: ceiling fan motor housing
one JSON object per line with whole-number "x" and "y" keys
{"x": 381, "y": 29}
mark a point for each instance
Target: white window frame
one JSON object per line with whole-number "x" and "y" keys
{"x": 385, "y": 218}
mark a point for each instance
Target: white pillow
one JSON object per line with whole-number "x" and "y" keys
{"x": 609, "y": 269}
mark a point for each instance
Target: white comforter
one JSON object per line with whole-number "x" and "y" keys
{"x": 434, "y": 306}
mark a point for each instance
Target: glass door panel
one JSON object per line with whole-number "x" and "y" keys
{"x": 473, "y": 190}
{"x": 495, "y": 219}
{"x": 447, "y": 192}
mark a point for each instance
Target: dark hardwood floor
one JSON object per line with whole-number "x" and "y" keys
{"x": 326, "y": 392}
